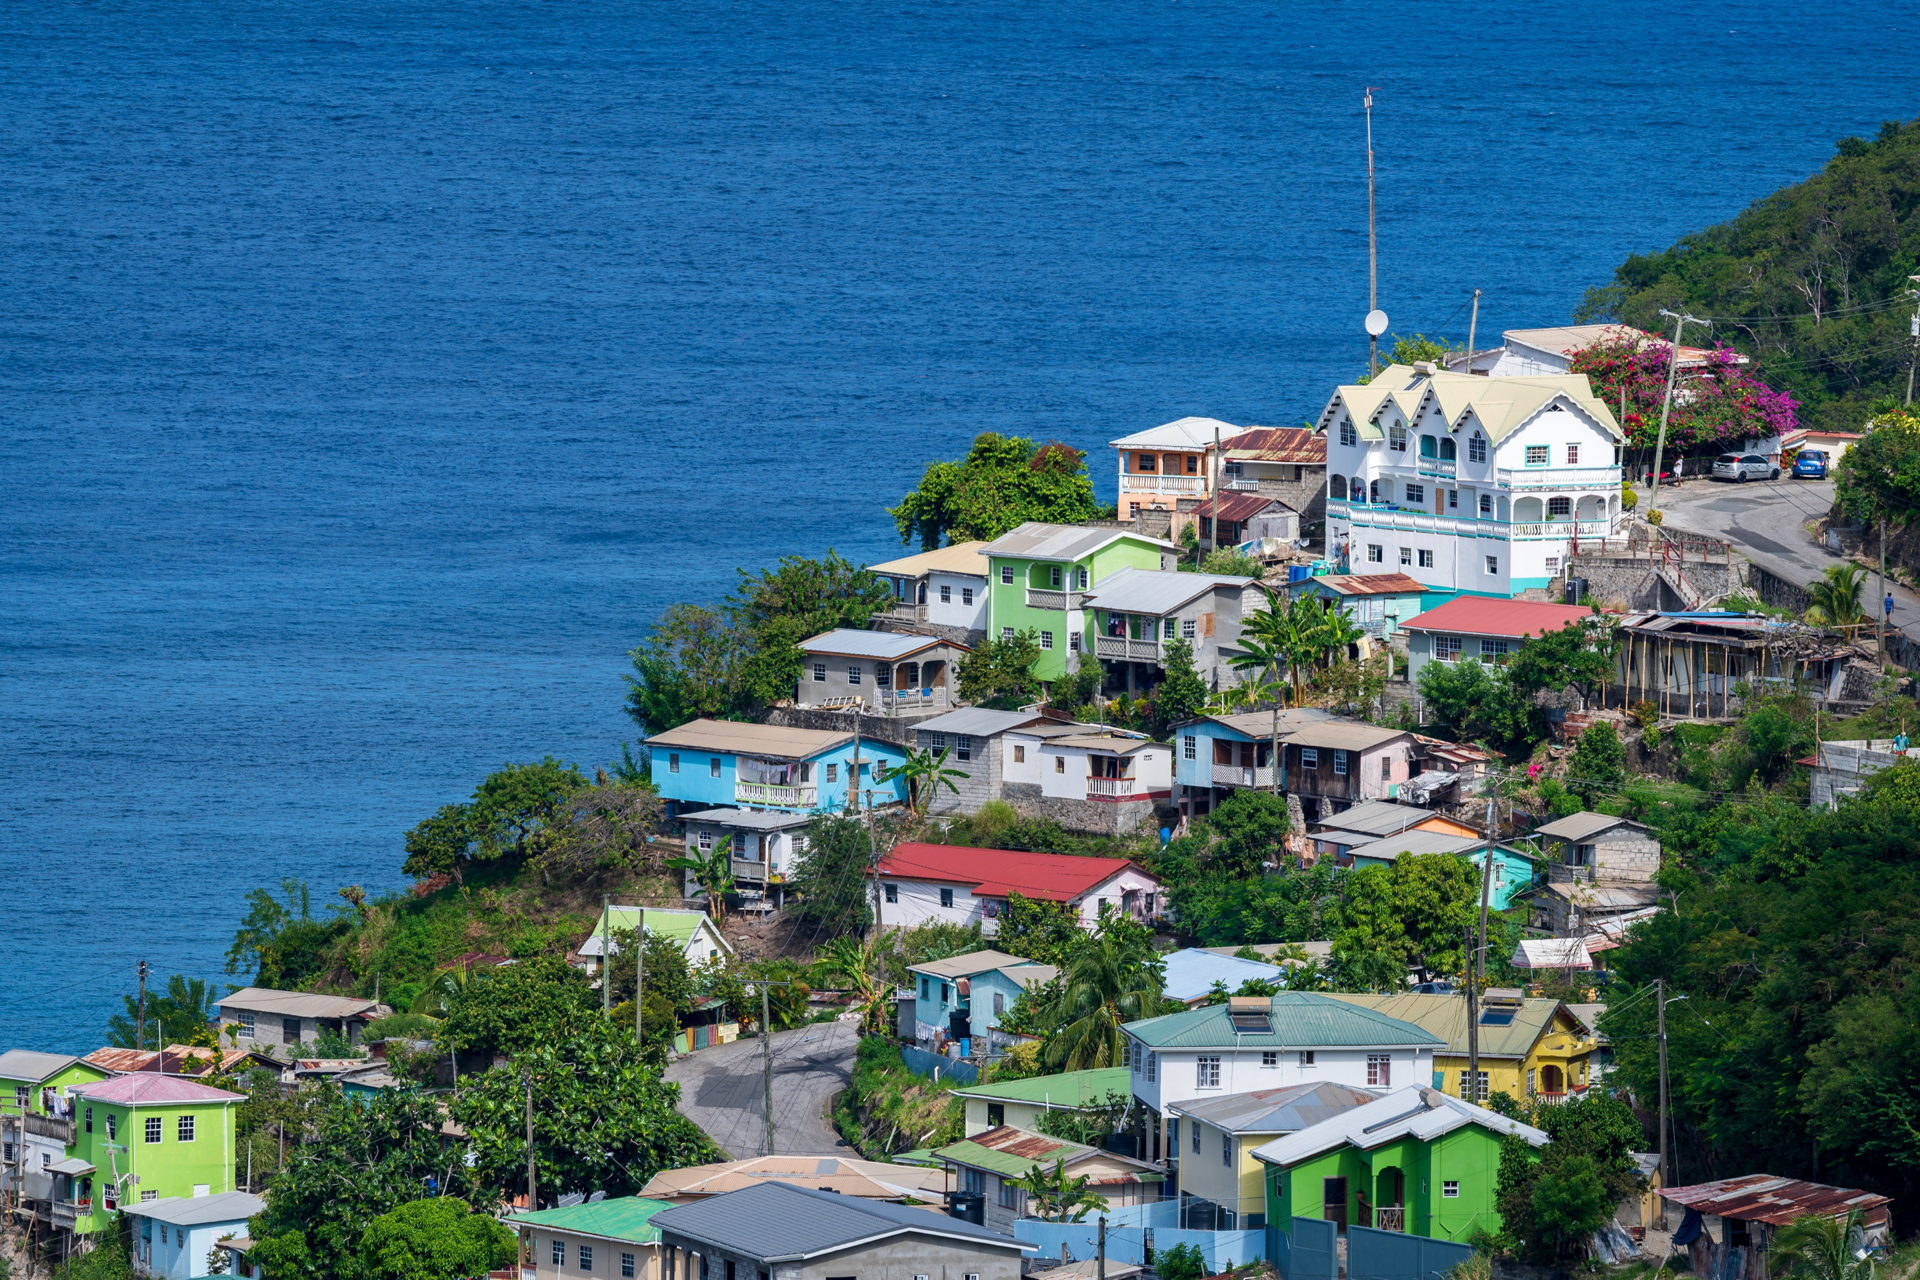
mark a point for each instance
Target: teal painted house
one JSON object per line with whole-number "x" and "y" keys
{"x": 1513, "y": 871}
{"x": 1416, "y": 1161}
{"x": 1039, "y": 576}
{"x": 964, "y": 998}
{"x": 707, "y": 764}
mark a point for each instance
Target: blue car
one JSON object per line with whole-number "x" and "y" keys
{"x": 1810, "y": 464}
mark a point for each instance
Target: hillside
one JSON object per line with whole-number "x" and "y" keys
{"x": 1811, "y": 281}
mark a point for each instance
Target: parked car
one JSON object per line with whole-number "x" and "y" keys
{"x": 1810, "y": 464}
{"x": 1742, "y": 467}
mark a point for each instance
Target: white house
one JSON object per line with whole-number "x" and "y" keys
{"x": 173, "y": 1236}
{"x": 698, "y": 937}
{"x": 766, "y": 844}
{"x": 941, "y": 592}
{"x": 959, "y": 885}
{"x": 1259, "y": 1042}
{"x": 1468, "y": 483}
{"x": 1085, "y": 777}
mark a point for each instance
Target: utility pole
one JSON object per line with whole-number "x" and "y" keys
{"x": 1913, "y": 331}
{"x": 1660, "y": 1015}
{"x": 1680, "y": 321}
{"x": 639, "y": 972}
{"x": 1473, "y": 327}
{"x": 1100, "y": 1251}
{"x": 606, "y": 954}
{"x": 1373, "y": 245}
{"x": 766, "y": 1050}
{"x": 1472, "y": 991}
{"x": 140, "y": 1013}
{"x": 533, "y": 1184}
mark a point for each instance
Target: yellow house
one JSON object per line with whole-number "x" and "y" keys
{"x": 1536, "y": 1049}
{"x": 1222, "y": 1187}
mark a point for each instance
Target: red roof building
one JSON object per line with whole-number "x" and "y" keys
{"x": 1495, "y": 616}
{"x": 954, "y": 883}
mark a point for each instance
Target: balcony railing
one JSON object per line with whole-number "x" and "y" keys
{"x": 1115, "y": 789}
{"x": 1039, "y": 598}
{"x": 1563, "y": 529}
{"x": 904, "y": 611}
{"x": 750, "y": 869}
{"x": 56, "y": 1127}
{"x": 1126, "y": 649}
{"x": 1559, "y": 477}
{"x": 1242, "y": 775}
{"x": 1561, "y": 873}
{"x": 1439, "y": 466}
{"x": 1390, "y": 1217}
{"x": 63, "y": 1212}
{"x": 1130, "y": 483}
{"x": 774, "y": 794}
{"x": 901, "y": 701}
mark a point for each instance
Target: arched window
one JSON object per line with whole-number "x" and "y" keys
{"x": 1558, "y": 508}
{"x": 1397, "y": 438}
{"x": 1448, "y": 450}
{"x": 1429, "y": 447}
{"x": 1476, "y": 448}
{"x": 1337, "y": 488}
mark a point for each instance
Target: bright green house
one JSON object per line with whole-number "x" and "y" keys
{"x": 36, "y": 1117}
{"x": 1038, "y": 577}
{"x": 26, "y": 1075}
{"x": 142, "y": 1136}
{"x": 1415, "y": 1160}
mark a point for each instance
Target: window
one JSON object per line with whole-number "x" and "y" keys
{"x": 1379, "y": 1069}
{"x": 1453, "y": 499}
{"x": 1429, "y": 447}
{"x": 1046, "y": 639}
{"x": 586, "y": 1260}
{"x": 1059, "y": 764}
{"x": 1146, "y": 463}
{"x": 1340, "y": 764}
{"x": 713, "y": 767}
{"x": 820, "y": 672}
{"x": 1486, "y": 506}
{"x": 1188, "y": 629}
{"x": 673, "y": 763}
{"x": 1376, "y": 554}
{"x": 946, "y": 594}
{"x": 946, "y": 897}
{"x": 627, "y": 1270}
{"x": 1206, "y": 1071}
{"x": 1306, "y": 1057}
{"x": 1416, "y": 493}
{"x": 966, "y": 595}
{"x": 963, "y": 746}
{"x": 1386, "y": 768}
{"x": 89, "y": 1119}
{"x": 155, "y": 1195}
{"x": 1079, "y": 579}
{"x": 1557, "y": 507}
{"x": 1309, "y": 757}
{"x": 1169, "y": 627}
{"x": 1153, "y": 1067}
{"x": 1269, "y": 1057}
{"x": 1406, "y": 555}
{"x": 1397, "y": 438}
{"x": 1573, "y": 455}
{"x": 1493, "y": 565}
{"x": 1553, "y": 565}
{"x": 1053, "y": 575}
{"x": 1347, "y": 436}
{"x": 1536, "y": 455}
{"x": 183, "y": 1130}
{"x": 1193, "y": 1139}
{"x": 1476, "y": 448}
{"x": 1073, "y": 642}
{"x": 244, "y": 1021}
{"x": 1473, "y": 1087}
{"x": 853, "y": 673}
{"x": 1226, "y": 1149}
{"x": 1019, "y": 754}
{"x": 1446, "y": 648}
{"x": 1426, "y": 558}
{"x": 1450, "y": 1190}
{"x": 156, "y": 1128}
{"x": 999, "y": 1003}
{"x": 1006, "y": 633}
{"x": 1189, "y": 747}
{"x": 1493, "y": 652}
{"x": 883, "y": 675}
{"x": 935, "y": 742}
{"x": 559, "y": 1253}
{"x": 893, "y": 892}
{"x": 113, "y": 1127}
{"x": 833, "y": 773}
{"x": 1011, "y": 1197}
{"x": 1006, "y": 577}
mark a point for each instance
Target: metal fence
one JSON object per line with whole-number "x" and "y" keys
{"x": 1134, "y": 1231}
{"x": 938, "y": 1068}
{"x": 1394, "y": 1255}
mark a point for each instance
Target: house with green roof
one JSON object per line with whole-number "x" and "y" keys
{"x": 1265, "y": 1042}
{"x": 1021, "y": 1103}
{"x": 1039, "y": 577}
{"x": 606, "y": 1238}
{"x": 699, "y": 940}
{"x": 991, "y": 1164}
{"x": 36, "y": 1116}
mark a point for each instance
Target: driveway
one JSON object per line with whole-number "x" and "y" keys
{"x": 721, "y": 1091}
{"x": 1766, "y": 520}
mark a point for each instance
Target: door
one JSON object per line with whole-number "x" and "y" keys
{"x": 1333, "y": 1201}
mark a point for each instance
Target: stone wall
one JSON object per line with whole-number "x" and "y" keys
{"x": 968, "y": 636}
{"x": 896, "y": 730}
{"x": 1777, "y": 591}
{"x": 1635, "y": 582}
{"x": 1096, "y": 817}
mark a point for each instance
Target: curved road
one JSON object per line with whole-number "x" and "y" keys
{"x": 721, "y": 1090}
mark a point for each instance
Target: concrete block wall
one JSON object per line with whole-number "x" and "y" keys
{"x": 1096, "y": 817}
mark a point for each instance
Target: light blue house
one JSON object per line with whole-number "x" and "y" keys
{"x": 1217, "y": 754}
{"x": 1190, "y": 974}
{"x": 1377, "y": 602}
{"x": 706, "y": 764}
{"x": 962, "y": 999}
{"x": 173, "y": 1236}
{"x": 1513, "y": 871}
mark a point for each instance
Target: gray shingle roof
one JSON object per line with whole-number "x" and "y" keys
{"x": 1300, "y": 1020}
{"x": 779, "y": 1222}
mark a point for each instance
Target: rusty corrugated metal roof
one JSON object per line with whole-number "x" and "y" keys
{"x": 1279, "y": 444}
{"x": 1762, "y": 1197}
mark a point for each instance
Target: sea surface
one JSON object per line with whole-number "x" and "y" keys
{"x": 372, "y": 374}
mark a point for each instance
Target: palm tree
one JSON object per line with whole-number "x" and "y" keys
{"x": 860, "y": 968}
{"x": 925, "y": 773}
{"x": 1818, "y": 1248}
{"x": 1337, "y": 631}
{"x": 712, "y": 871}
{"x": 1108, "y": 983}
{"x": 1836, "y": 597}
{"x": 1262, "y": 649}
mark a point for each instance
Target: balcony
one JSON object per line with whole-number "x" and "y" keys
{"x": 1558, "y": 477}
{"x": 1561, "y": 873}
{"x": 58, "y": 1128}
{"x": 1242, "y": 775}
{"x": 898, "y": 702}
{"x": 903, "y": 611}
{"x": 1130, "y": 483}
{"x": 1116, "y": 789}
{"x": 768, "y": 793}
{"x": 1445, "y": 468}
{"x": 63, "y": 1212}
{"x": 1038, "y": 598}
{"x": 750, "y": 869}
{"x": 1562, "y": 529}
{"x": 1390, "y": 1217}
{"x": 1126, "y": 650}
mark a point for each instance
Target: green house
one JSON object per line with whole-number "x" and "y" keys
{"x": 1415, "y": 1160}
{"x": 1039, "y": 576}
{"x": 36, "y": 1117}
{"x": 1021, "y": 1103}
{"x": 138, "y": 1137}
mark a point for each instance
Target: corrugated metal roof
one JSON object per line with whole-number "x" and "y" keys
{"x": 302, "y": 1004}
{"x": 1446, "y": 1018}
{"x": 891, "y": 646}
{"x": 1036, "y": 540}
{"x": 1365, "y": 584}
{"x": 843, "y": 1174}
{"x": 1296, "y": 445}
{"x": 33, "y": 1065}
{"x": 198, "y": 1211}
{"x": 1237, "y": 505}
{"x": 978, "y": 722}
{"x": 961, "y": 557}
{"x": 749, "y": 819}
{"x": 1342, "y": 735}
{"x": 1182, "y": 433}
{"x": 1157, "y": 591}
{"x": 970, "y": 963}
{"x": 1286, "y": 1110}
{"x": 677, "y": 924}
{"x": 1579, "y": 826}
{"x": 1300, "y": 1020}
{"x": 779, "y": 1222}
{"x": 1113, "y": 743}
{"x": 1057, "y": 877}
{"x": 1191, "y": 972}
{"x": 1413, "y": 843}
{"x": 1551, "y": 953}
{"x": 1761, "y": 1197}
{"x": 1259, "y": 724}
{"x": 1378, "y": 818}
{"x": 1014, "y": 1152}
{"x": 1066, "y": 1090}
{"x": 738, "y": 737}
{"x": 1414, "y": 1112}
{"x": 145, "y": 1088}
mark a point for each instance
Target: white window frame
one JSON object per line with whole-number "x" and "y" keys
{"x": 1339, "y": 763}
{"x": 1046, "y": 639}
{"x": 1348, "y": 436}
{"x": 1376, "y": 553}
{"x": 819, "y": 673}
{"x": 1006, "y": 633}
{"x": 1189, "y": 629}
{"x": 1416, "y": 493}
{"x": 1486, "y": 506}
{"x": 966, "y": 595}
{"x": 1189, "y": 747}
{"x": 1310, "y": 758}
{"x": 1006, "y": 575}
{"x": 1446, "y": 648}
{"x": 1206, "y": 1072}
{"x": 1537, "y": 455}
{"x": 1426, "y": 557}
{"x": 1269, "y": 1058}
{"x": 1450, "y": 1189}
{"x": 1476, "y": 448}
{"x": 946, "y": 593}
{"x": 1380, "y": 1070}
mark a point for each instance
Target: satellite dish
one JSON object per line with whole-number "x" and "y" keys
{"x": 1376, "y": 323}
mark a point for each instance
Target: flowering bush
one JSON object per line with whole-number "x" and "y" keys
{"x": 1712, "y": 406}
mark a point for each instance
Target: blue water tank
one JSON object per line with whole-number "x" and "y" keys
{"x": 1299, "y": 572}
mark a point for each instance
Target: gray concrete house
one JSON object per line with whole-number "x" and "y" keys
{"x": 1135, "y": 612}
{"x": 893, "y": 674}
{"x": 1599, "y": 870}
{"x": 766, "y": 845}
{"x": 1288, "y": 463}
{"x": 263, "y": 1016}
{"x": 777, "y": 1231}
{"x": 1839, "y": 769}
{"x": 972, "y": 737}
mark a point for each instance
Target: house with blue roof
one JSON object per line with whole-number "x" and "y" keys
{"x": 1191, "y": 974}
{"x": 708, "y": 764}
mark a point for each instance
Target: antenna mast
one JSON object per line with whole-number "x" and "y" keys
{"x": 1373, "y": 245}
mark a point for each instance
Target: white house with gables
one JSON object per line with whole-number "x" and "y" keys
{"x": 1469, "y": 483}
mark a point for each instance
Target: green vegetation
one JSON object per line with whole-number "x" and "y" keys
{"x": 1003, "y": 482}
{"x": 1110, "y": 978}
{"x": 1818, "y": 270}
{"x": 178, "y": 1013}
{"x": 999, "y": 673}
{"x": 887, "y": 1108}
{"x": 1879, "y": 478}
{"x": 1504, "y": 707}
{"x": 1552, "y": 1199}
{"x": 439, "y": 1239}
{"x": 1054, "y": 1195}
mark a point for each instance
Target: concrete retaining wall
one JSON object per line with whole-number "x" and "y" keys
{"x": 1097, "y": 817}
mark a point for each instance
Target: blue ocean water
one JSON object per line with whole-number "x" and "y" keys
{"x": 374, "y": 373}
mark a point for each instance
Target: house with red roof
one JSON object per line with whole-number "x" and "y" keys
{"x": 954, "y": 884}
{"x": 1485, "y": 629}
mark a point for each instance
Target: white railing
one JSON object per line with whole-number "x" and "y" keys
{"x": 1040, "y": 598}
{"x": 1114, "y": 788}
{"x": 904, "y": 611}
{"x": 1558, "y": 477}
{"x": 896, "y": 701}
{"x": 1439, "y": 466}
{"x": 1125, "y": 649}
{"x": 1241, "y": 484}
{"x": 749, "y": 869}
{"x": 1242, "y": 775}
{"x": 1562, "y": 529}
{"x": 1390, "y": 1217}
{"x": 1130, "y": 483}
{"x": 773, "y": 793}
{"x": 1366, "y": 515}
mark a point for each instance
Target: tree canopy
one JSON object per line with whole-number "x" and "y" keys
{"x": 1003, "y": 482}
{"x": 438, "y": 1239}
{"x": 507, "y": 817}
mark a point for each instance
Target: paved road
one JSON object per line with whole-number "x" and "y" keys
{"x": 1767, "y": 521}
{"x": 721, "y": 1091}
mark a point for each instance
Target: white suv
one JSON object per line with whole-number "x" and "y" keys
{"x": 1742, "y": 467}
